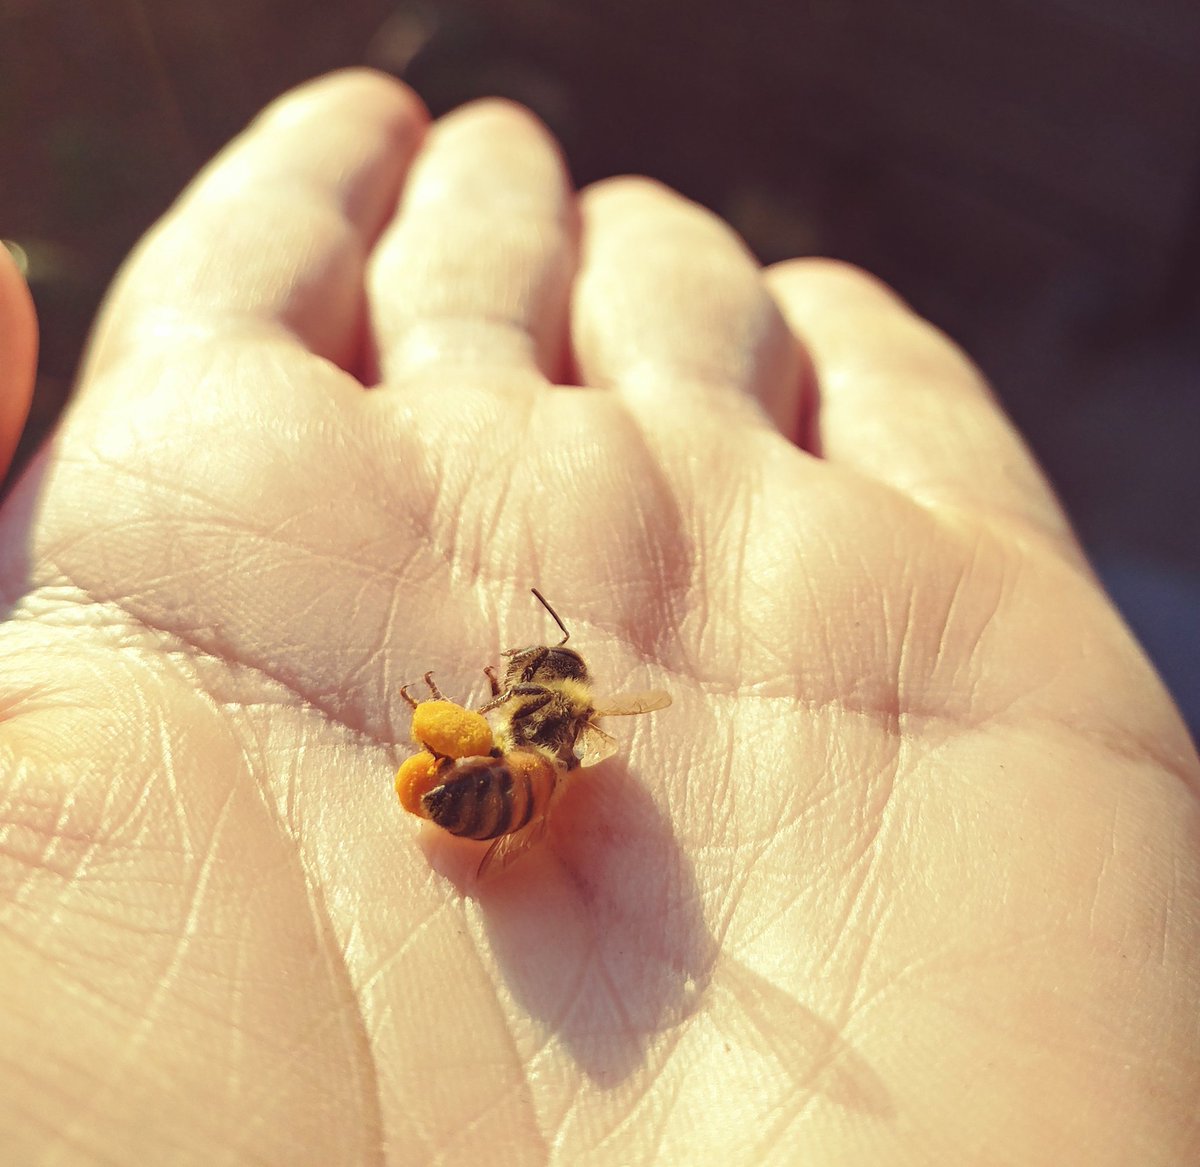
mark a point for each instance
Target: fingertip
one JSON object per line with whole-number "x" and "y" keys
{"x": 16, "y": 302}
{"x": 496, "y": 139}
{"x": 499, "y": 111}
{"x": 629, "y": 190}
{"x": 352, "y": 91}
{"x": 644, "y": 206}
{"x": 18, "y": 354}
{"x": 823, "y": 278}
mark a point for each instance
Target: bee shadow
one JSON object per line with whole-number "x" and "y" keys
{"x": 600, "y": 938}
{"x": 599, "y": 934}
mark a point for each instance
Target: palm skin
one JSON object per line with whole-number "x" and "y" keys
{"x": 907, "y": 873}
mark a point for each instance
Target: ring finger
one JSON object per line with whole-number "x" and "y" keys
{"x": 672, "y": 312}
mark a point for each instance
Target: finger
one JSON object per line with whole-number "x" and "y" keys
{"x": 472, "y": 275}
{"x": 671, "y": 309}
{"x": 899, "y": 402}
{"x": 18, "y": 355}
{"x": 273, "y": 234}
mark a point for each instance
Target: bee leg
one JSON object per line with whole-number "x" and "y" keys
{"x": 538, "y": 695}
{"x": 532, "y": 659}
{"x": 437, "y": 693}
{"x": 531, "y": 689}
{"x": 490, "y": 673}
{"x": 407, "y": 696}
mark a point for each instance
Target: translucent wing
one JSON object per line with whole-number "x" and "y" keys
{"x": 509, "y": 848}
{"x": 627, "y": 704}
{"x": 593, "y": 745}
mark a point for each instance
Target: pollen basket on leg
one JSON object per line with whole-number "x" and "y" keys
{"x": 451, "y": 731}
{"x": 416, "y": 776}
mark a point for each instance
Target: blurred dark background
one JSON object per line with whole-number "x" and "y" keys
{"x": 1026, "y": 173}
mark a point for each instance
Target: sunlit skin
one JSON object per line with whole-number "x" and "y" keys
{"x": 909, "y": 872}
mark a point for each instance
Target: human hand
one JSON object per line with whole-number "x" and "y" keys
{"x": 18, "y": 355}
{"x": 908, "y": 872}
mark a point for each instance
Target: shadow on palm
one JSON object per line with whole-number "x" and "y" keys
{"x": 601, "y": 940}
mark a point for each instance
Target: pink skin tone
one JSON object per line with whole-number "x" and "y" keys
{"x": 908, "y": 873}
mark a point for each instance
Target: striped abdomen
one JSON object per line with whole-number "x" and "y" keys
{"x": 484, "y": 798}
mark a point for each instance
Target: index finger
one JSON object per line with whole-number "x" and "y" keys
{"x": 272, "y": 236}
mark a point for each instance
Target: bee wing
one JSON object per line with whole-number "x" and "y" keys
{"x": 508, "y": 848}
{"x": 627, "y": 704}
{"x": 593, "y": 745}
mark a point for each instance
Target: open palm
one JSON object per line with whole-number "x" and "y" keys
{"x": 907, "y": 873}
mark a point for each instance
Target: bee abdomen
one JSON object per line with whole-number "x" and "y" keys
{"x": 484, "y": 798}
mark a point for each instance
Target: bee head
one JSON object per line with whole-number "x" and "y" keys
{"x": 540, "y": 664}
{"x": 561, "y": 664}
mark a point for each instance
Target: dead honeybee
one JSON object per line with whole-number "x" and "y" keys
{"x": 546, "y": 729}
{"x": 545, "y": 703}
{"x": 465, "y": 784}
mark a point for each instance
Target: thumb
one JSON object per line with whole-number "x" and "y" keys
{"x": 18, "y": 355}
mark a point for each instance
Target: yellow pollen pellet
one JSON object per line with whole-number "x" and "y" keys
{"x": 417, "y": 776}
{"x": 451, "y": 731}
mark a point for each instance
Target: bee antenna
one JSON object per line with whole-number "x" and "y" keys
{"x": 542, "y": 600}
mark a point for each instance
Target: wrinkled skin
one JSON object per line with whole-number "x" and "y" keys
{"x": 908, "y": 873}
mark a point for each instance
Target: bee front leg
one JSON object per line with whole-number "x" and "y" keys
{"x": 496, "y": 701}
{"x": 538, "y": 696}
{"x": 490, "y": 673}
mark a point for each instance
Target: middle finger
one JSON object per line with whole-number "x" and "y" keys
{"x": 471, "y": 278}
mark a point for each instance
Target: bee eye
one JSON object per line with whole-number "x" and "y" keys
{"x": 568, "y": 664}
